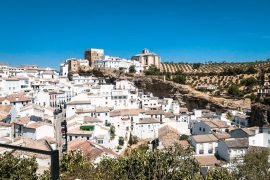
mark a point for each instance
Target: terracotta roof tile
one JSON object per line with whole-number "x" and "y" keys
{"x": 204, "y": 138}
{"x": 148, "y": 121}
{"x": 237, "y": 142}
{"x": 207, "y": 160}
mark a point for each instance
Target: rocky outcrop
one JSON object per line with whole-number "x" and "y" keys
{"x": 260, "y": 115}
{"x": 184, "y": 93}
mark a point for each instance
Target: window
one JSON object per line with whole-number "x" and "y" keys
{"x": 210, "y": 148}
{"x": 100, "y": 141}
{"x": 203, "y": 129}
{"x": 200, "y": 129}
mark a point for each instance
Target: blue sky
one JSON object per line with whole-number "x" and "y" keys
{"x": 46, "y": 32}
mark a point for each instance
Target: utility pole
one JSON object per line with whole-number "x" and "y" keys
{"x": 57, "y": 131}
{"x": 64, "y": 135}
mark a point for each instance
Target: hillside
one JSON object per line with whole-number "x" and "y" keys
{"x": 210, "y": 67}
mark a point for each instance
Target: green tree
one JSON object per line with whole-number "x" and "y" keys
{"x": 184, "y": 137}
{"x": 220, "y": 174}
{"x": 132, "y": 69}
{"x": 229, "y": 116}
{"x": 251, "y": 70}
{"x": 121, "y": 141}
{"x": 255, "y": 166}
{"x": 75, "y": 166}
{"x": 130, "y": 140}
{"x": 173, "y": 163}
{"x": 234, "y": 91}
{"x": 112, "y": 132}
{"x": 143, "y": 148}
{"x": 180, "y": 79}
{"x": 152, "y": 70}
{"x": 12, "y": 167}
{"x": 168, "y": 75}
{"x": 251, "y": 81}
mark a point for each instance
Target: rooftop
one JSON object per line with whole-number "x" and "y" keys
{"x": 204, "y": 138}
{"x": 237, "y": 142}
{"x": 148, "y": 121}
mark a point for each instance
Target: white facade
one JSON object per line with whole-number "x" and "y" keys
{"x": 147, "y": 129}
{"x": 42, "y": 98}
{"x": 39, "y": 132}
{"x": 230, "y": 153}
{"x": 204, "y": 144}
{"x": 240, "y": 120}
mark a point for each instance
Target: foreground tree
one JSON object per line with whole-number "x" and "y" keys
{"x": 220, "y": 174}
{"x": 172, "y": 163}
{"x": 255, "y": 166}
{"x": 74, "y": 166}
{"x": 17, "y": 168}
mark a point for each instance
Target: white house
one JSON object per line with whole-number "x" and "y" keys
{"x": 240, "y": 120}
{"x": 147, "y": 128}
{"x": 233, "y": 148}
{"x": 16, "y": 100}
{"x": 14, "y": 85}
{"x": 34, "y": 111}
{"x": 98, "y": 133}
{"x": 42, "y": 98}
{"x": 204, "y": 144}
{"x": 38, "y": 130}
{"x": 257, "y": 136}
{"x": 208, "y": 126}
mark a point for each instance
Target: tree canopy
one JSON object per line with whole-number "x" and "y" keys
{"x": 170, "y": 163}
{"x": 235, "y": 91}
{"x": 17, "y": 168}
{"x": 152, "y": 70}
